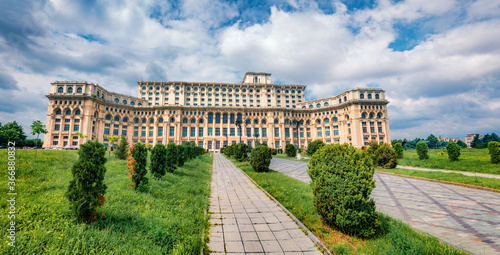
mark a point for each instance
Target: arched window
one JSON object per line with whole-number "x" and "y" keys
{"x": 255, "y": 79}
{"x": 172, "y": 119}
{"x": 143, "y": 120}
{"x": 335, "y": 119}
{"x": 151, "y": 88}
{"x": 60, "y": 90}
{"x": 326, "y": 121}
{"x": 77, "y": 112}
{"x": 264, "y": 122}
{"x": 239, "y": 116}
{"x": 276, "y": 121}
{"x": 144, "y": 87}
{"x": 247, "y": 121}
{"x": 345, "y": 99}
{"x": 287, "y": 122}
{"x": 79, "y": 90}
{"x": 379, "y": 115}
{"x": 369, "y": 96}
{"x": 326, "y": 104}
{"x": 132, "y": 103}
{"x": 140, "y": 104}
{"x": 200, "y": 121}
{"x": 231, "y": 118}
{"x": 371, "y": 115}
{"x": 184, "y": 120}
{"x": 70, "y": 90}
{"x": 124, "y": 101}
{"x": 224, "y": 118}
{"x": 217, "y": 118}
{"x": 58, "y": 111}
{"x": 68, "y": 112}
{"x": 157, "y": 88}
{"x": 318, "y": 121}
{"x": 151, "y": 120}
{"x": 160, "y": 120}
{"x": 136, "y": 120}
{"x": 362, "y": 96}
{"x": 347, "y": 116}
{"x": 117, "y": 100}
{"x": 255, "y": 121}
{"x": 210, "y": 118}
{"x": 340, "y": 101}
{"x": 311, "y": 106}
{"x": 318, "y": 105}
{"x": 377, "y": 96}
{"x": 98, "y": 93}
{"x": 125, "y": 119}
{"x": 363, "y": 115}
{"x": 108, "y": 117}
{"x": 193, "y": 120}
{"x": 117, "y": 118}
{"x": 304, "y": 107}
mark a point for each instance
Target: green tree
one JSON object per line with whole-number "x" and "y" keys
{"x": 342, "y": 181}
{"x": 122, "y": 148}
{"x": 112, "y": 140}
{"x": 314, "y": 146}
{"x": 260, "y": 158}
{"x": 290, "y": 150}
{"x": 158, "y": 160}
{"x": 398, "y": 147}
{"x": 494, "y": 151}
{"x": 87, "y": 189}
{"x": 12, "y": 132}
{"x": 171, "y": 157}
{"x": 422, "y": 150}
{"x": 36, "y": 129}
{"x": 433, "y": 141}
{"x": 475, "y": 141}
{"x": 385, "y": 156}
{"x": 453, "y": 151}
{"x": 461, "y": 144}
{"x": 140, "y": 155}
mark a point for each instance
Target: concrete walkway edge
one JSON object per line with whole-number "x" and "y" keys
{"x": 313, "y": 237}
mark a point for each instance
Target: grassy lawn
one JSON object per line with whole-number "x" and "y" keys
{"x": 450, "y": 177}
{"x": 471, "y": 160}
{"x": 284, "y": 156}
{"x": 395, "y": 237}
{"x": 168, "y": 219}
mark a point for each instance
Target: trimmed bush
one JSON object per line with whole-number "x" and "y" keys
{"x": 385, "y": 156}
{"x": 122, "y": 148}
{"x": 158, "y": 161}
{"x": 398, "y": 147}
{"x": 241, "y": 151}
{"x": 342, "y": 181}
{"x": 87, "y": 189}
{"x": 171, "y": 157}
{"x": 314, "y": 146}
{"x": 290, "y": 150}
{"x": 274, "y": 151}
{"x": 140, "y": 155}
{"x": 453, "y": 151}
{"x": 260, "y": 158}
{"x": 494, "y": 150}
{"x": 181, "y": 155}
{"x": 461, "y": 144}
{"x": 422, "y": 150}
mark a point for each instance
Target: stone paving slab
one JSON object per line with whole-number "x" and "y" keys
{"x": 463, "y": 217}
{"x": 245, "y": 221}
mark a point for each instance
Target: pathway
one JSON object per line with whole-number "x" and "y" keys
{"x": 496, "y": 176}
{"x": 463, "y": 217}
{"x": 244, "y": 220}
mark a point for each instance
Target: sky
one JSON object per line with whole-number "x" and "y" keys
{"x": 437, "y": 60}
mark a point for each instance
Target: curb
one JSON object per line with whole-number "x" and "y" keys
{"x": 444, "y": 182}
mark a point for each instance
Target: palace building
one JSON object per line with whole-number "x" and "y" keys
{"x": 214, "y": 114}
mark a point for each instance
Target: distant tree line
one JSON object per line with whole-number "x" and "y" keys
{"x": 13, "y": 132}
{"x": 434, "y": 142}
{"x": 481, "y": 143}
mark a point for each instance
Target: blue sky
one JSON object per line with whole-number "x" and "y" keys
{"x": 437, "y": 60}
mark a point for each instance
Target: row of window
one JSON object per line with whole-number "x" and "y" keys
{"x": 69, "y": 90}
{"x": 223, "y": 90}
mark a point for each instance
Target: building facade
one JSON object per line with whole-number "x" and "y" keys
{"x": 208, "y": 113}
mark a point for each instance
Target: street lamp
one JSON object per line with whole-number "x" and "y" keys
{"x": 238, "y": 123}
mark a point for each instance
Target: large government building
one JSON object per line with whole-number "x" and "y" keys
{"x": 214, "y": 114}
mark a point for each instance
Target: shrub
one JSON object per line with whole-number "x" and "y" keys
{"x": 260, "y": 159}
{"x": 398, "y": 147}
{"x": 494, "y": 150}
{"x": 87, "y": 189}
{"x": 342, "y": 181}
{"x": 461, "y": 144}
{"x": 140, "y": 155}
{"x": 314, "y": 146}
{"x": 290, "y": 150}
{"x": 385, "y": 156}
{"x": 274, "y": 151}
{"x": 122, "y": 148}
{"x": 422, "y": 150}
{"x": 374, "y": 145}
{"x": 229, "y": 150}
{"x": 453, "y": 151}
{"x": 280, "y": 151}
{"x": 181, "y": 155}
{"x": 240, "y": 152}
{"x": 158, "y": 161}
{"x": 171, "y": 157}
{"x": 222, "y": 150}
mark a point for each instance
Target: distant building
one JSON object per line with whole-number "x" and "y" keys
{"x": 469, "y": 138}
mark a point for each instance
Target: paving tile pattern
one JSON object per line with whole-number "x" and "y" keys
{"x": 245, "y": 221}
{"x": 465, "y": 218}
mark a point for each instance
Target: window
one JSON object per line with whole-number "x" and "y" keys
{"x": 276, "y": 132}
{"x": 264, "y": 132}
{"x": 362, "y": 96}
{"x": 372, "y": 129}
{"x": 325, "y": 104}
{"x": 335, "y": 119}
{"x": 210, "y": 118}
{"x": 249, "y": 132}
{"x": 276, "y": 121}
{"x": 193, "y": 132}
{"x": 184, "y": 120}
{"x": 184, "y": 131}
{"x": 60, "y": 90}
{"x": 231, "y": 132}
{"x": 319, "y": 134}
{"x": 76, "y": 128}
{"x": 377, "y": 96}
{"x": 70, "y": 90}
{"x": 326, "y": 121}
{"x": 200, "y": 132}
{"x": 125, "y": 119}
{"x": 106, "y": 131}
{"x": 363, "y": 116}
{"x": 79, "y": 90}
{"x": 364, "y": 129}
{"x": 124, "y": 132}
{"x": 57, "y": 127}
{"x": 136, "y": 120}
{"x": 210, "y": 131}
{"x": 369, "y": 96}
{"x": 172, "y": 131}
{"x": 115, "y": 131}
{"x": 224, "y": 118}
{"x": 160, "y": 131}
{"x": 117, "y": 100}
{"x": 231, "y": 118}
{"x": 217, "y": 118}
{"x": 287, "y": 132}
{"x": 68, "y": 112}
{"x": 117, "y": 118}
{"x": 143, "y": 133}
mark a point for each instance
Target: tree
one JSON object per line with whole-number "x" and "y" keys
{"x": 314, "y": 146}
{"x": 12, "y": 132}
{"x": 461, "y": 144}
{"x": 398, "y": 147}
{"x": 122, "y": 148}
{"x": 36, "y": 129}
{"x": 112, "y": 140}
{"x": 342, "y": 181}
{"x": 158, "y": 160}
{"x": 494, "y": 151}
{"x": 475, "y": 141}
{"x": 171, "y": 157}
{"x": 138, "y": 175}
{"x": 453, "y": 151}
{"x": 422, "y": 150}
{"x": 290, "y": 150}
{"x": 433, "y": 141}
{"x": 87, "y": 189}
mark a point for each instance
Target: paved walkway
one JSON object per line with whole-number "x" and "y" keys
{"x": 496, "y": 176}
{"x": 244, "y": 220}
{"x": 463, "y": 217}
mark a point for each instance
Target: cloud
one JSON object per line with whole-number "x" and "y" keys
{"x": 7, "y": 82}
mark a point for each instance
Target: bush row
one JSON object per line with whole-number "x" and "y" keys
{"x": 383, "y": 155}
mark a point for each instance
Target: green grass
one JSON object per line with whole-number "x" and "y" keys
{"x": 471, "y": 160}
{"x": 450, "y": 177}
{"x": 284, "y": 156}
{"x": 395, "y": 237}
{"x": 167, "y": 219}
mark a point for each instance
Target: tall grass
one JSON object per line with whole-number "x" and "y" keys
{"x": 167, "y": 219}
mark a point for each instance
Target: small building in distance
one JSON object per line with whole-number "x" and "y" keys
{"x": 469, "y": 138}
